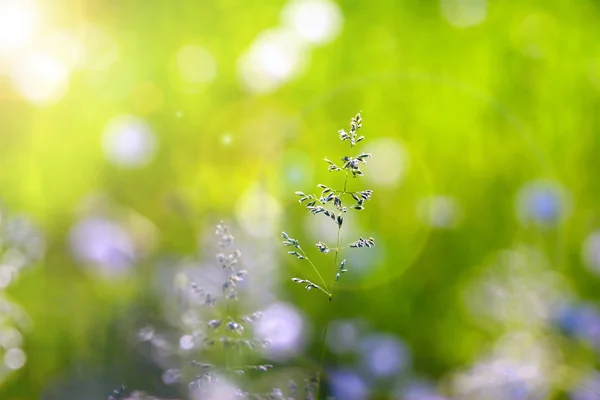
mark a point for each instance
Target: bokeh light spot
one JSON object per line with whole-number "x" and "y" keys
{"x": 442, "y": 212}
{"x": 274, "y": 58}
{"x": 15, "y": 358}
{"x": 388, "y": 164}
{"x": 6, "y": 275}
{"x": 147, "y": 98}
{"x": 195, "y": 66}
{"x": 101, "y": 48}
{"x": 258, "y": 213}
{"x": 40, "y": 78}
{"x": 10, "y": 337}
{"x": 18, "y": 23}
{"x": 464, "y": 13}
{"x": 128, "y": 142}
{"x": 314, "y": 21}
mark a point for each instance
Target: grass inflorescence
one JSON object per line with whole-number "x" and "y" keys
{"x": 334, "y": 204}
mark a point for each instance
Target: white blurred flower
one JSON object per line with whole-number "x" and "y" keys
{"x": 518, "y": 368}
{"x": 516, "y": 288}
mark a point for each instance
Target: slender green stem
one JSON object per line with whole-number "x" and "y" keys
{"x": 316, "y": 270}
{"x": 324, "y": 344}
{"x": 320, "y": 378}
{"x": 323, "y": 290}
{"x": 337, "y": 244}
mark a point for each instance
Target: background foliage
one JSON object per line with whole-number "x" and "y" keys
{"x": 481, "y": 118}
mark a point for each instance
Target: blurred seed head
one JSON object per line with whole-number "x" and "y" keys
{"x": 171, "y": 376}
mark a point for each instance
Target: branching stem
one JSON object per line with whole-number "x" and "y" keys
{"x": 326, "y": 291}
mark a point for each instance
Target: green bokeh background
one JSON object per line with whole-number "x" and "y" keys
{"x": 479, "y": 110}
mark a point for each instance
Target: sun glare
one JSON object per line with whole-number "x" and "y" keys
{"x": 18, "y": 23}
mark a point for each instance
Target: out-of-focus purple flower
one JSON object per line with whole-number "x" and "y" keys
{"x": 384, "y": 356}
{"x": 588, "y": 388}
{"x": 348, "y": 385}
{"x": 542, "y": 203}
{"x": 581, "y": 321}
{"x": 103, "y": 244}
{"x": 419, "y": 390}
{"x": 129, "y": 142}
{"x": 343, "y": 336}
{"x": 283, "y": 326}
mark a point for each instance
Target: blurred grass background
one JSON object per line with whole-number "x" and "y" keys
{"x": 481, "y": 116}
